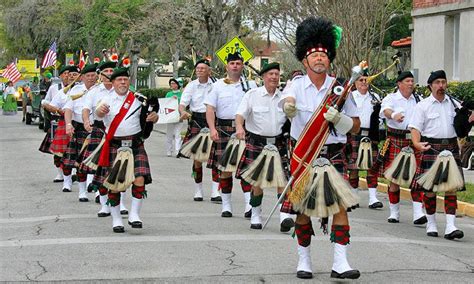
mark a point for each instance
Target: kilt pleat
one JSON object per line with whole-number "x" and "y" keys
{"x": 71, "y": 155}
{"x": 218, "y": 147}
{"x": 96, "y": 137}
{"x": 60, "y": 140}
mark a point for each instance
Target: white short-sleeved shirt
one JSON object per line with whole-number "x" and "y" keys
{"x": 129, "y": 125}
{"x": 226, "y": 98}
{"x": 60, "y": 99}
{"x": 194, "y": 94}
{"x": 94, "y": 96}
{"x": 398, "y": 103}
{"x": 78, "y": 104}
{"x": 364, "y": 106}
{"x": 434, "y": 119}
{"x": 261, "y": 112}
{"x": 52, "y": 92}
{"x": 308, "y": 98}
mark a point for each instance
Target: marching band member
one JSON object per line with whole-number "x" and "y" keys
{"x": 193, "y": 96}
{"x": 368, "y": 107}
{"x": 432, "y": 132}
{"x": 398, "y": 109}
{"x": 264, "y": 121}
{"x": 61, "y": 138}
{"x": 48, "y": 139}
{"x": 75, "y": 127}
{"x": 316, "y": 48}
{"x": 97, "y": 128}
{"x": 123, "y": 119}
{"x": 221, "y": 106}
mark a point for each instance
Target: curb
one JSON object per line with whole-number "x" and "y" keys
{"x": 464, "y": 208}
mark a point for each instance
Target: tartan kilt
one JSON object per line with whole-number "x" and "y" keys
{"x": 353, "y": 141}
{"x": 46, "y": 144}
{"x": 96, "y": 137}
{"x": 194, "y": 127}
{"x": 71, "y": 155}
{"x": 428, "y": 158}
{"x": 218, "y": 147}
{"x": 335, "y": 153}
{"x": 254, "y": 146}
{"x": 140, "y": 157}
{"x": 60, "y": 140}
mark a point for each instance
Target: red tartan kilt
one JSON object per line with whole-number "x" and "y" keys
{"x": 194, "y": 127}
{"x": 141, "y": 164}
{"x": 218, "y": 147}
{"x": 353, "y": 141}
{"x": 96, "y": 138}
{"x": 46, "y": 143}
{"x": 253, "y": 148}
{"x": 395, "y": 146}
{"x": 429, "y": 157}
{"x": 71, "y": 155}
{"x": 60, "y": 140}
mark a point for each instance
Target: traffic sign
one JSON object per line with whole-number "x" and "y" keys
{"x": 234, "y": 45}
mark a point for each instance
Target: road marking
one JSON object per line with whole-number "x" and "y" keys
{"x": 212, "y": 238}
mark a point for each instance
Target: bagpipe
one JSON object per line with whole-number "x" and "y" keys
{"x": 312, "y": 140}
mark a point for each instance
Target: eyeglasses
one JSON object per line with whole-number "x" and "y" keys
{"x": 362, "y": 80}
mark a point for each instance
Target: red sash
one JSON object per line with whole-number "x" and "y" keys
{"x": 105, "y": 151}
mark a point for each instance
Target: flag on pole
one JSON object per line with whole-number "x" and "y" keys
{"x": 49, "y": 58}
{"x": 82, "y": 61}
{"x": 11, "y": 72}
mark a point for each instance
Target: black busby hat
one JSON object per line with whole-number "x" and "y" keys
{"x": 440, "y": 74}
{"x": 204, "y": 61}
{"x": 269, "y": 66}
{"x": 174, "y": 80}
{"x": 119, "y": 72}
{"x": 403, "y": 75}
{"x": 234, "y": 56}
{"x": 317, "y": 34}
{"x": 89, "y": 68}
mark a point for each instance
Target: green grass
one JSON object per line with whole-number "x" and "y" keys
{"x": 466, "y": 196}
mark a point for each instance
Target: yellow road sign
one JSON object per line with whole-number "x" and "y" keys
{"x": 233, "y": 46}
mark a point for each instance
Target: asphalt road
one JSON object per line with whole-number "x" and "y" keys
{"x": 47, "y": 235}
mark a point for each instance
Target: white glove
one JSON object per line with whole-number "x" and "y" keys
{"x": 342, "y": 122}
{"x": 290, "y": 110}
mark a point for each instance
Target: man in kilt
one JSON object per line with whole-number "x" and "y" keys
{"x": 193, "y": 96}
{"x": 221, "y": 106}
{"x": 316, "y": 48}
{"x": 75, "y": 127}
{"x": 96, "y": 128}
{"x": 398, "y": 108}
{"x": 367, "y": 103}
{"x": 264, "y": 121}
{"x": 124, "y": 132}
{"x": 432, "y": 132}
{"x": 56, "y": 115}
{"x": 61, "y": 138}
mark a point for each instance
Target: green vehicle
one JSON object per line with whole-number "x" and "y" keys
{"x": 33, "y": 107}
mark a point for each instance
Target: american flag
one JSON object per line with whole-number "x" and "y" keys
{"x": 11, "y": 72}
{"x": 49, "y": 58}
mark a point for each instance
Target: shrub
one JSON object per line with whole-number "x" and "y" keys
{"x": 155, "y": 93}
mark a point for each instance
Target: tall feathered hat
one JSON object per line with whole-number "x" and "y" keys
{"x": 317, "y": 34}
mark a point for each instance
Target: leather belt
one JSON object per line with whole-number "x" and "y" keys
{"x": 403, "y": 134}
{"x": 442, "y": 141}
{"x": 226, "y": 122}
{"x": 264, "y": 139}
{"x": 331, "y": 148}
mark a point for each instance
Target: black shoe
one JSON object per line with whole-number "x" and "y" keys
{"x": 136, "y": 224}
{"x": 23, "y": 120}
{"x": 74, "y": 178}
{"x": 97, "y": 199}
{"x": 216, "y": 199}
{"x": 226, "y": 214}
{"x": 198, "y": 199}
{"x": 433, "y": 234}
{"x": 103, "y": 214}
{"x": 66, "y": 190}
{"x": 456, "y": 234}
{"x": 355, "y": 206}
{"x": 119, "y": 229}
{"x": 351, "y": 274}
{"x": 248, "y": 214}
{"x": 304, "y": 274}
{"x": 420, "y": 221}
{"x": 393, "y": 220}
{"x": 90, "y": 188}
{"x": 376, "y": 205}
{"x": 256, "y": 226}
{"x": 83, "y": 199}
{"x": 286, "y": 225}
{"x": 123, "y": 212}
{"x": 58, "y": 180}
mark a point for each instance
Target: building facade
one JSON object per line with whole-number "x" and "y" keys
{"x": 442, "y": 38}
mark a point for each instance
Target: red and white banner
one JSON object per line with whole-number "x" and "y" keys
{"x": 169, "y": 112}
